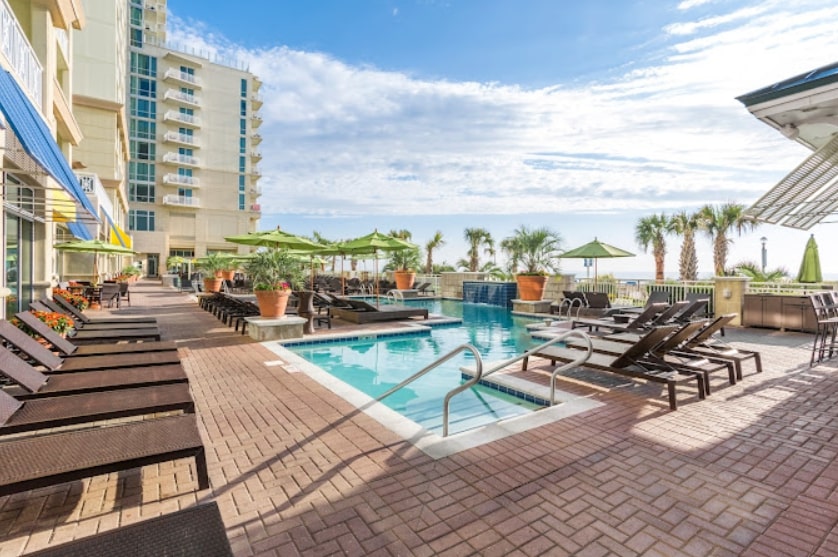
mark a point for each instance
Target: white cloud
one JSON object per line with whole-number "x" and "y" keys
{"x": 343, "y": 140}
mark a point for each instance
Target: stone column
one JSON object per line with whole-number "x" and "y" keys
{"x": 729, "y": 296}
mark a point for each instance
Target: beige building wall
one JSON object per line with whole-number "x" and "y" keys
{"x": 199, "y": 198}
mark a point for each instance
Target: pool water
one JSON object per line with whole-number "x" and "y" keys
{"x": 375, "y": 365}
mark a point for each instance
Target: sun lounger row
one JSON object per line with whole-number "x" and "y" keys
{"x": 53, "y": 383}
{"x": 666, "y": 354}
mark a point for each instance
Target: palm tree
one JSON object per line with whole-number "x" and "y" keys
{"x": 435, "y": 242}
{"x": 477, "y": 238}
{"x": 756, "y": 274}
{"x": 719, "y": 222}
{"x": 651, "y": 231}
{"x": 685, "y": 224}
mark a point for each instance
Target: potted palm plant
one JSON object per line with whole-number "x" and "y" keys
{"x": 274, "y": 273}
{"x": 403, "y": 263}
{"x": 212, "y": 265}
{"x": 534, "y": 254}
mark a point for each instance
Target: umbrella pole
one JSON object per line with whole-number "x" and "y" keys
{"x": 596, "y": 272}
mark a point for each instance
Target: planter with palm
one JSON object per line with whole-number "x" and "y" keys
{"x": 212, "y": 265}
{"x": 535, "y": 253}
{"x": 274, "y": 274}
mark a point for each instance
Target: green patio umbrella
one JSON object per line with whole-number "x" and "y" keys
{"x": 275, "y": 239}
{"x": 95, "y": 247}
{"x": 810, "y": 267}
{"x": 595, "y": 250}
{"x": 373, "y": 244}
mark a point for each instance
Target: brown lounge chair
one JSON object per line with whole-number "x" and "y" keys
{"x": 705, "y": 343}
{"x": 68, "y": 349}
{"x": 194, "y": 532}
{"x": 630, "y": 363}
{"x": 363, "y": 312}
{"x": 54, "y": 458}
{"x": 39, "y": 353}
{"x": 33, "y": 384}
{"x": 72, "y": 310}
{"x": 60, "y": 411}
{"x": 628, "y": 323}
{"x": 48, "y": 305}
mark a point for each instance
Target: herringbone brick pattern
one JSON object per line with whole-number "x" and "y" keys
{"x": 297, "y": 470}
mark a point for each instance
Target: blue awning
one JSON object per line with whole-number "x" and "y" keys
{"x": 79, "y": 230}
{"x": 37, "y": 140}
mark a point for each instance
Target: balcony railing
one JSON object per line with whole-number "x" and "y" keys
{"x": 20, "y": 55}
{"x": 178, "y": 75}
{"x": 180, "y": 96}
{"x": 256, "y": 120}
{"x": 256, "y": 190}
{"x": 176, "y": 137}
{"x": 179, "y": 117}
{"x": 176, "y": 158}
{"x": 181, "y": 180}
{"x": 256, "y": 138}
{"x": 181, "y": 201}
{"x": 256, "y": 155}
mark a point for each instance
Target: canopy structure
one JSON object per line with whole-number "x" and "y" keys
{"x": 95, "y": 247}
{"x": 595, "y": 250}
{"x": 807, "y": 196}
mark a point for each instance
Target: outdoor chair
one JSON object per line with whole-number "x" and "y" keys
{"x": 823, "y": 345}
{"x": 31, "y": 383}
{"x": 620, "y": 322}
{"x": 109, "y": 294}
{"x": 75, "y": 313}
{"x": 630, "y": 363}
{"x": 192, "y": 532}
{"x": 124, "y": 293}
{"x": 68, "y": 349}
{"x": 73, "y": 455}
{"x": 45, "y": 304}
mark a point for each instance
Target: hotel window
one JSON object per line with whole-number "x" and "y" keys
{"x": 187, "y": 70}
{"x": 186, "y": 131}
{"x": 187, "y": 91}
{"x": 183, "y": 151}
{"x": 143, "y": 108}
{"x": 141, "y": 193}
{"x": 141, "y": 220}
{"x": 184, "y": 192}
{"x": 143, "y": 129}
{"x": 243, "y": 145}
{"x": 244, "y": 87}
{"x": 186, "y": 111}
{"x": 20, "y": 241}
{"x": 242, "y": 164}
{"x": 243, "y": 126}
{"x": 184, "y": 172}
{"x": 136, "y": 16}
{"x": 143, "y": 64}
{"x": 143, "y": 87}
{"x": 243, "y": 108}
{"x": 143, "y": 150}
{"x": 241, "y": 183}
{"x": 137, "y": 38}
{"x": 242, "y": 204}
{"x": 141, "y": 172}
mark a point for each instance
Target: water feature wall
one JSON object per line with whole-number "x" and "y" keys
{"x": 493, "y": 293}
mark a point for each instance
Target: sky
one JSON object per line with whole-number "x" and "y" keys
{"x": 584, "y": 117}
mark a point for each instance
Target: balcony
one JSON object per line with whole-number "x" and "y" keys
{"x": 255, "y": 191}
{"x": 255, "y": 120}
{"x": 181, "y": 97}
{"x": 181, "y": 180}
{"x": 182, "y": 119}
{"x": 182, "y": 201}
{"x": 20, "y": 55}
{"x": 183, "y": 160}
{"x": 255, "y": 208}
{"x": 255, "y": 173}
{"x": 256, "y": 155}
{"x": 256, "y": 139}
{"x": 189, "y": 79}
{"x": 256, "y": 100}
{"x": 182, "y": 138}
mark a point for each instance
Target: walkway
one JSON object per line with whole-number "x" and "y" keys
{"x": 297, "y": 471}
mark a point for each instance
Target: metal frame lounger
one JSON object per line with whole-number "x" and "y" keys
{"x": 68, "y": 349}
{"x": 40, "y": 354}
{"x": 630, "y": 363}
{"x": 75, "y": 312}
{"x": 633, "y": 322}
{"x": 44, "y": 460}
{"x": 50, "y": 412}
{"x": 194, "y": 532}
{"x": 34, "y": 384}
{"x": 362, "y": 312}
{"x": 46, "y": 305}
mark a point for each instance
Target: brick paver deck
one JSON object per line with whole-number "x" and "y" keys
{"x": 297, "y": 471}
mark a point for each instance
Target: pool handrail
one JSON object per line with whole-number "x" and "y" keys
{"x": 436, "y": 363}
{"x": 558, "y": 338}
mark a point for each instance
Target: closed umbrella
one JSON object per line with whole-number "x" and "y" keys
{"x": 595, "y": 250}
{"x": 810, "y": 267}
{"x": 95, "y": 247}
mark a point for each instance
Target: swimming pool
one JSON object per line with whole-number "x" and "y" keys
{"x": 374, "y": 365}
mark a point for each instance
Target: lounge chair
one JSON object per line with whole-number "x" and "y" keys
{"x": 48, "y": 305}
{"x": 425, "y": 289}
{"x": 31, "y": 383}
{"x": 696, "y": 309}
{"x": 706, "y": 343}
{"x": 655, "y": 297}
{"x": 54, "y": 458}
{"x": 68, "y": 349}
{"x": 72, "y": 310}
{"x": 363, "y": 312}
{"x": 39, "y": 353}
{"x": 620, "y": 322}
{"x": 85, "y": 408}
{"x": 193, "y": 532}
{"x": 630, "y": 363}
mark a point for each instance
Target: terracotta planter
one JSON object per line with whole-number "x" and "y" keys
{"x": 272, "y": 303}
{"x": 228, "y": 275}
{"x": 404, "y": 279}
{"x": 531, "y": 287}
{"x": 212, "y": 284}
